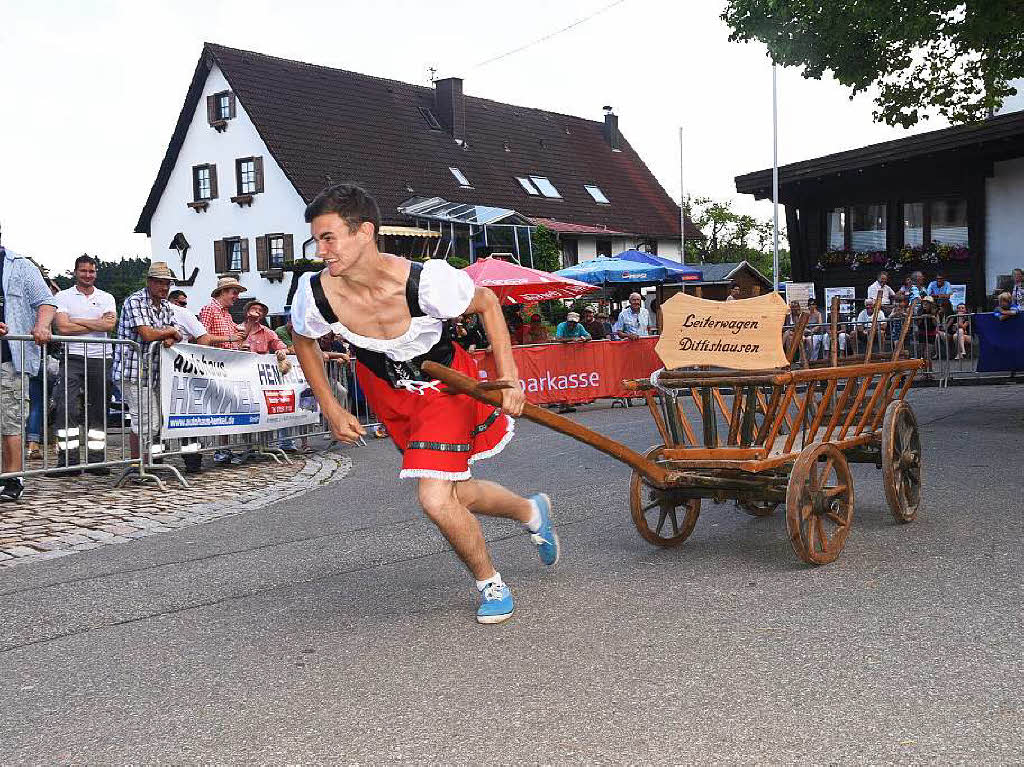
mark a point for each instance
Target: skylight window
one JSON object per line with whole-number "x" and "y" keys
{"x": 596, "y": 193}
{"x": 527, "y": 185}
{"x": 460, "y": 177}
{"x": 427, "y": 115}
{"x": 546, "y": 187}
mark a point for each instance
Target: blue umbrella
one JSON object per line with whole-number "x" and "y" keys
{"x": 602, "y": 271}
{"x": 677, "y": 272}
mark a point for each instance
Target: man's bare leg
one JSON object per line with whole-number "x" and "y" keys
{"x": 12, "y": 452}
{"x": 493, "y": 500}
{"x": 442, "y": 504}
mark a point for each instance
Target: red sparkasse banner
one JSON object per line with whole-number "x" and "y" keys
{"x": 577, "y": 372}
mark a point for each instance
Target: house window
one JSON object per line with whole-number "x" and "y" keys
{"x": 596, "y": 193}
{"x": 867, "y": 227}
{"x": 604, "y": 248}
{"x": 276, "y": 248}
{"x": 234, "y": 248}
{"x": 949, "y": 222}
{"x": 527, "y": 185}
{"x": 837, "y": 229}
{"x": 940, "y": 221}
{"x": 204, "y": 182}
{"x": 220, "y": 107}
{"x": 546, "y": 187}
{"x": 460, "y": 177}
{"x": 247, "y": 176}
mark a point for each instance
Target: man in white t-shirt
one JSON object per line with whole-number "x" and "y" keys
{"x": 880, "y": 288}
{"x": 192, "y": 330}
{"x": 863, "y": 322}
{"x": 85, "y": 311}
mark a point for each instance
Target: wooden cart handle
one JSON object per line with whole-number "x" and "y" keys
{"x": 463, "y": 384}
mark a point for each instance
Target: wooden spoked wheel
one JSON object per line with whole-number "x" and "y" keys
{"x": 758, "y": 508}
{"x": 819, "y": 503}
{"x": 901, "y": 461}
{"x": 660, "y": 517}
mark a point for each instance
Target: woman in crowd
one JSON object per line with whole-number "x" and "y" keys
{"x": 816, "y": 331}
{"x": 898, "y": 317}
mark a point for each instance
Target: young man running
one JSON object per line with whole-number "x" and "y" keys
{"x": 392, "y": 312}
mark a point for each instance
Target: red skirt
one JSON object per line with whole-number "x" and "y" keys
{"x": 439, "y": 435}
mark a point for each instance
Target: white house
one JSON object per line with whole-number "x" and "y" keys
{"x": 258, "y": 137}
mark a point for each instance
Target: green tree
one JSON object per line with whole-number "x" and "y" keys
{"x": 730, "y": 236}
{"x": 547, "y": 256}
{"x": 949, "y": 56}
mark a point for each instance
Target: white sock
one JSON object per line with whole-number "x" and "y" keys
{"x": 496, "y": 578}
{"x": 533, "y": 525}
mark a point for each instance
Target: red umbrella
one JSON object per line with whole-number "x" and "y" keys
{"x": 516, "y": 284}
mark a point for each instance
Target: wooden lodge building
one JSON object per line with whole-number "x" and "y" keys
{"x": 950, "y": 200}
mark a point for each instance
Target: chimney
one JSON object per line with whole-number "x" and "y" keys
{"x": 450, "y": 106}
{"x": 611, "y": 128}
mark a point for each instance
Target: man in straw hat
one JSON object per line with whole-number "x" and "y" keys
{"x": 216, "y": 315}
{"x": 146, "y": 317}
{"x": 392, "y": 312}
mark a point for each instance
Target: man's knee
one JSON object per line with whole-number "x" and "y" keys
{"x": 437, "y": 497}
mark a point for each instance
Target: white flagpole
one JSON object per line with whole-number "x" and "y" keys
{"x": 775, "y": 184}
{"x": 682, "y": 201}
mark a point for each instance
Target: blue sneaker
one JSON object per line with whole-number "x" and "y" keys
{"x": 546, "y": 538}
{"x": 497, "y": 605}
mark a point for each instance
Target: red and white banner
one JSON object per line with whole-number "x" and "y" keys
{"x": 577, "y": 372}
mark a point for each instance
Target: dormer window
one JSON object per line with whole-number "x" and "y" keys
{"x": 220, "y": 107}
{"x": 546, "y": 187}
{"x": 248, "y": 179}
{"x": 461, "y": 178}
{"x": 527, "y": 186}
{"x": 597, "y": 194}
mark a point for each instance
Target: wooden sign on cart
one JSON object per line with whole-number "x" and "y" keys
{"x": 741, "y": 335}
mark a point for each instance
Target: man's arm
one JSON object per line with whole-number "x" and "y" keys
{"x": 344, "y": 425}
{"x": 486, "y": 304}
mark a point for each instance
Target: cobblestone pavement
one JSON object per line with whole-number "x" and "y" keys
{"x": 62, "y": 515}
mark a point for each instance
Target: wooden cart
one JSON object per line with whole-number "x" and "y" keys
{"x": 762, "y": 438}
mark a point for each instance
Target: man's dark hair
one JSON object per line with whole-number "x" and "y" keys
{"x": 353, "y": 203}
{"x": 85, "y": 258}
{"x": 174, "y": 294}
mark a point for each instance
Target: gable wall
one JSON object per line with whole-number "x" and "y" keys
{"x": 278, "y": 209}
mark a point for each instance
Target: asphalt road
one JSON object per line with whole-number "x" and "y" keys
{"x": 339, "y": 628}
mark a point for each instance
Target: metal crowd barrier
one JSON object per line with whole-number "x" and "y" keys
{"x": 69, "y": 439}
{"x": 272, "y": 443}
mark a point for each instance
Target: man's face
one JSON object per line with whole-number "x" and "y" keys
{"x": 180, "y": 300}
{"x": 339, "y": 247}
{"x": 883, "y": 278}
{"x": 1018, "y": 276}
{"x": 158, "y": 288}
{"x": 588, "y": 316}
{"x": 228, "y": 297}
{"x": 735, "y": 292}
{"x": 85, "y": 275}
{"x": 255, "y": 314}
{"x": 635, "y": 303}
{"x": 940, "y": 279}
{"x": 869, "y": 306}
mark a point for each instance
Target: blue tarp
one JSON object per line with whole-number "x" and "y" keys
{"x": 1002, "y": 343}
{"x": 677, "y": 272}
{"x": 601, "y": 271}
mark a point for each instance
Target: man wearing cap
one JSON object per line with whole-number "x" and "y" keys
{"x": 146, "y": 317}
{"x": 571, "y": 331}
{"x": 216, "y": 317}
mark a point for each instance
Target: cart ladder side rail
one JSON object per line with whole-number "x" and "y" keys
{"x": 827, "y": 398}
{"x": 794, "y": 343}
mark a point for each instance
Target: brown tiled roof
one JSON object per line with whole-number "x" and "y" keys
{"x": 563, "y": 227}
{"x": 323, "y": 124}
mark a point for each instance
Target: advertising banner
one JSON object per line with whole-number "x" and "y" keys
{"x": 847, "y": 300}
{"x": 206, "y": 391}
{"x": 957, "y": 294}
{"x": 577, "y": 372}
{"x": 801, "y": 292}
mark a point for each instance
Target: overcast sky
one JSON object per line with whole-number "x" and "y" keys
{"x": 90, "y": 91}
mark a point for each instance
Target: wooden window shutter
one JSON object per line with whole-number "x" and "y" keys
{"x": 244, "y": 242}
{"x": 262, "y": 254}
{"x": 238, "y": 176}
{"x": 289, "y": 249}
{"x": 231, "y": 105}
{"x": 258, "y": 162}
{"x": 213, "y": 182}
{"x": 195, "y": 182}
{"x": 220, "y": 256}
{"x": 211, "y": 109}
